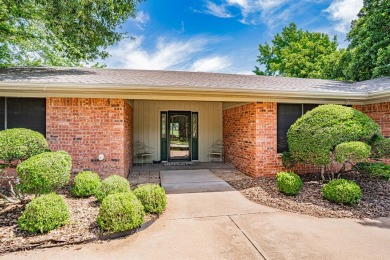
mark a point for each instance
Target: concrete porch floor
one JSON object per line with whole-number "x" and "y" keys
{"x": 150, "y": 173}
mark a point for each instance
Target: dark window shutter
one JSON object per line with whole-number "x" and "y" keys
{"x": 2, "y": 113}
{"x": 27, "y": 113}
{"x": 287, "y": 115}
{"x": 308, "y": 107}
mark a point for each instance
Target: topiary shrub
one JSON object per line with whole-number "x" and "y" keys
{"x": 152, "y": 197}
{"x": 342, "y": 191}
{"x": 120, "y": 212}
{"x": 44, "y": 214}
{"x": 352, "y": 152}
{"x": 380, "y": 147}
{"x": 21, "y": 144}
{"x": 288, "y": 183}
{"x": 111, "y": 185}
{"x": 45, "y": 172}
{"x": 374, "y": 169}
{"x": 85, "y": 184}
{"x": 313, "y": 136}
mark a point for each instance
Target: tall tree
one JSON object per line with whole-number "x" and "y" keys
{"x": 298, "y": 53}
{"x": 60, "y": 32}
{"x": 370, "y": 41}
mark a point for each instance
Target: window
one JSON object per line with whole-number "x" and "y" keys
{"x": 287, "y": 115}
{"x": 23, "y": 113}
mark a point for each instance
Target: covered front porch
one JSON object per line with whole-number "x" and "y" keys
{"x": 176, "y": 131}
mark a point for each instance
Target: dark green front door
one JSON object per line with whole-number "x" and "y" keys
{"x": 179, "y": 136}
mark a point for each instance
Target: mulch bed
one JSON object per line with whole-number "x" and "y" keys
{"x": 263, "y": 190}
{"x": 82, "y": 227}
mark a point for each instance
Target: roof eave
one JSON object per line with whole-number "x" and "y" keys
{"x": 22, "y": 89}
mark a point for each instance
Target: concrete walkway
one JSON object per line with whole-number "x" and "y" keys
{"x": 208, "y": 219}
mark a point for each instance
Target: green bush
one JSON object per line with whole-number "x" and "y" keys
{"x": 85, "y": 184}
{"x": 352, "y": 152}
{"x": 380, "y": 147}
{"x": 374, "y": 169}
{"x": 111, "y": 185}
{"x": 152, "y": 197}
{"x": 21, "y": 144}
{"x": 120, "y": 212}
{"x": 288, "y": 183}
{"x": 287, "y": 160}
{"x": 44, "y": 213}
{"x": 45, "y": 172}
{"x": 342, "y": 191}
{"x": 313, "y": 136}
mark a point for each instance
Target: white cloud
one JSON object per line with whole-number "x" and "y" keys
{"x": 211, "y": 64}
{"x": 141, "y": 19}
{"x": 343, "y": 12}
{"x": 166, "y": 55}
{"x": 251, "y": 11}
{"x": 217, "y": 10}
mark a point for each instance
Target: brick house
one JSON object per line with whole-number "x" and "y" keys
{"x": 179, "y": 115}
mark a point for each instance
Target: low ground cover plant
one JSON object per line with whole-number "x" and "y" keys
{"x": 374, "y": 169}
{"x": 120, "y": 212}
{"x": 85, "y": 184}
{"x": 111, "y": 185}
{"x": 152, "y": 197}
{"x": 288, "y": 183}
{"x": 45, "y": 172}
{"x": 44, "y": 214}
{"x": 342, "y": 191}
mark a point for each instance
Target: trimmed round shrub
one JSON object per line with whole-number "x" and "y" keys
{"x": 342, "y": 191}
{"x": 85, "y": 184}
{"x": 120, "y": 212}
{"x": 152, "y": 197}
{"x": 111, "y": 185}
{"x": 21, "y": 144}
{"x": 352, "y": 152}
{"x": 313, "y": 136}
{"x": 288, "y": 183}
{"x": 374, "y": 169}
{"x": 44, "y": 214}
{"x": 45, "y": 172}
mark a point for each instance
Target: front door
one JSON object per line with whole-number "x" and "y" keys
{"x": 179, "y": 135}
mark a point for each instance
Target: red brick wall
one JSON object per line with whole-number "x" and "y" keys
{"x": 87, "y": 127}
{"x": 239, "y": 137}
{"x": 380, "y": 113}
{"x": 250, "y": 136}
{"x": 128, "y": 137}
{"x": 249, "y": 133}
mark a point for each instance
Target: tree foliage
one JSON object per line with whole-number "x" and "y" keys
{"x": 370, "y": 42}
{"x": 60, "y": 32}
{"x": 298, "y": 53}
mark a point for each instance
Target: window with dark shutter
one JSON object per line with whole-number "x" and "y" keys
{"x": 2, "y": 113}
{"x": 25, "y": 113}
{"x": 287, "y": 115}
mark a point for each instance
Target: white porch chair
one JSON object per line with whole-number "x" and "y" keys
{"x": 216, "y": 151}
{"x": 142, "y": 153}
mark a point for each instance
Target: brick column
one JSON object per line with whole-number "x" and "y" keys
{"x": 249, "y": 133}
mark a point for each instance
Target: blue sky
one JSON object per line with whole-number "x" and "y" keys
{"x": 220, "y": 35}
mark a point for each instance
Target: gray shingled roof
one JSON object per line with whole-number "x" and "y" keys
{"x": 179, "y": 79}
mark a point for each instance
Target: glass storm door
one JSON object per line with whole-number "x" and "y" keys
{"x": 179, "y": 135}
